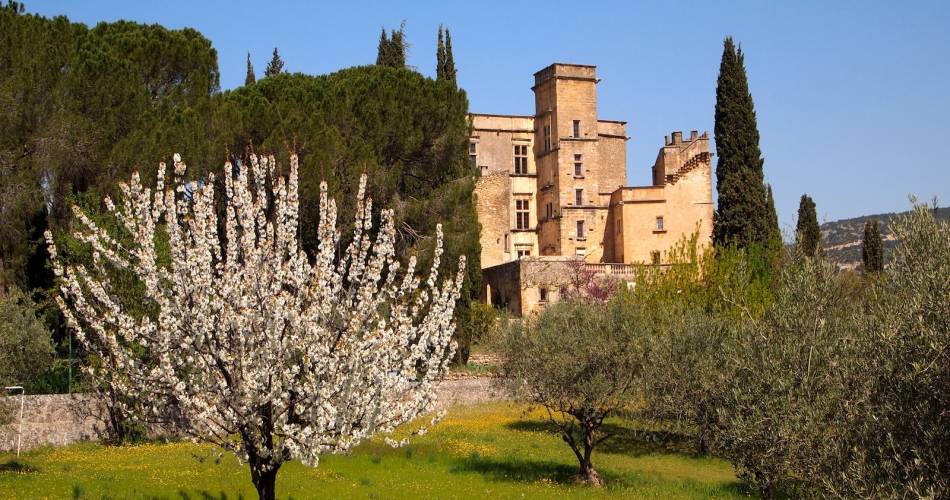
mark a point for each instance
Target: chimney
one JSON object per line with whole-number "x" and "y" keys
{"x": 693, "y": 134}
{"x": 666, "y": 140}
{"x": 677, "y": 138}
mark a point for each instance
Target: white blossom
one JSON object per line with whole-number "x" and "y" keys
{"x": 248, "y": 342}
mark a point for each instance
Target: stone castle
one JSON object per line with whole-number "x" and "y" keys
{"x": 552, "y": 194}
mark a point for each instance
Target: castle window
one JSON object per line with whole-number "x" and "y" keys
{"x": 655, "y": 257}
{"x": 521, "y": 214}
{"x": 549, "y": 210}
{"x": 547, "y": 138}
{"x": 580, "y": 251}
{"x": 578, "y": 166}
{"x": 524, "y": 252}
{"x": 578, "y": 197}
{"x": 577, "y": 128}
{"x": 580, "y": 229}
{"x": 472, "y": 154}
{"x": 521, "y": 158}
{"x": 543, "y": 294}
{"x": 659, "y": 223}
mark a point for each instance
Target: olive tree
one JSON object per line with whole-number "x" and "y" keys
{"x": 581, "y": 361}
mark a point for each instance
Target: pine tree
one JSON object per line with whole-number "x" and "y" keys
{"x": 275, "y": 66}
{"x": 773, "y": 216}
{"x": 807, "y": 233}
{"x": 250, "y": 78}
{"x": 743, "y": 215}
{"x": 449, "y": 65}
{"x": 872, "y": 252}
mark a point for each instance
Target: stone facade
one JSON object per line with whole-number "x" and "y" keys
{"x": 553, "y": 186}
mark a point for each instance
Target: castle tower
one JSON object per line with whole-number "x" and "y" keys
{"x": 580, "y": 161}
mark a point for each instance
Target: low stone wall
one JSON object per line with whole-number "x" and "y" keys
{"x": 59, "y": 419}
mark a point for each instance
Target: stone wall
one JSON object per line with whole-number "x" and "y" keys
{"x": 60, "y": 419}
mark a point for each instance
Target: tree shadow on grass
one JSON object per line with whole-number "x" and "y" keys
{"x": 527, "y": 471}
{"x": 17, "y": 467}
{"x": 623, "y": 439}
{"x": 204, "y": 495}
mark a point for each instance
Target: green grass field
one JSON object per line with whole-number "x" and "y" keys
{"x": 485, "y": 451}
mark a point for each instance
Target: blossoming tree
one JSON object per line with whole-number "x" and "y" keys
{"x": 248, "y": 343}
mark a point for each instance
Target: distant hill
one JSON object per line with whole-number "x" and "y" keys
{"x": 841, "y": 240}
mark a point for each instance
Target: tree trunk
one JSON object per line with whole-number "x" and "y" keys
{"x": 264, "y": 477}
{"x": 587, "y": 474}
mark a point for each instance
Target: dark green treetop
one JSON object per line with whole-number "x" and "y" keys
{"x": 743, "y": 216}
{"x": 448, "y": 67}
{"x": 249, "y": 79}
{"x": 392, "y": 49}
{"x": 807, "y": 233}
{"x": 275, "y": 66}
{"x": 872, "y": 251}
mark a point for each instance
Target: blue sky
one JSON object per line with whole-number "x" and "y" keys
{"x": 853, "y": 98}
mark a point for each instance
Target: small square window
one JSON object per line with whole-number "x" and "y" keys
{"x": 578, "y": 197}
{"x": 580, "y": 251}
{"x": 659, "y": 223}
{"x": 578, "y": 166}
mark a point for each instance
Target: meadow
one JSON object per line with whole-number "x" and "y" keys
{"x": 496, "y": 450}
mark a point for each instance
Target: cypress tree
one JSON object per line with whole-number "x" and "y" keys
{"x": 449, "y": 59}
{"x": 382, "y": 51}
{"x": 275, "y": 66}
{"x": 250, "y": 78}
{"x": 440, "y": 57}
{"x": 872, "y": 252}
{"x": 807, "y": 233}
{"x": 743, "y": 216}
{"x": 392, "y": 50}
{"x": 773, "y": 216}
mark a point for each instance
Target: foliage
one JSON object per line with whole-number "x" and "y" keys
{"x": 807, "y": 233}
{"x": 275, "y": 66}
{"x": 773, "y": 215}
{"x": 244, "y": 333}
{"x": 26, "y": 349}
{"x": 249, "y": 79}
{"x": 479, "y": 321}
{"x": 872, "y": 248}
{"x": 743, "y": 216}
{"x": 392, "y": 49}
{"x": 581, "y": 360}
{"x": 445, "y": 62}
{"x": 492, "y": 450}
{"x": 840, "y": 389}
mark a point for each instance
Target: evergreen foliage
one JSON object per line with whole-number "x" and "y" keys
{"x": 776, "y": 236}
{"x": 250, "y": 78}
{"x": 743, "y": 216}
{"x": 448, "y": 70}
{"x": 275, "y": 66}
{"x": 872, "y": 251}
{"x": 392, "y": 48}
{"x": 807, "y": 232}
{"x": 440, "y": 56}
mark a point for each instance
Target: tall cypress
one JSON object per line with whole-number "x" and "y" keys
{"x": 275, "y": 66}
{"x": 392, "y": 49}
{"x": 440, "y": 57}
{"x": 449, "y": 59}
{"x": 807, "y": 233}
{"x": 743, "y": 216}
{"x": 872, "y": 252}
{"x": 776, "y": 233}
{"x": 249, "y": 79}
{"x": 382, "y": 50}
